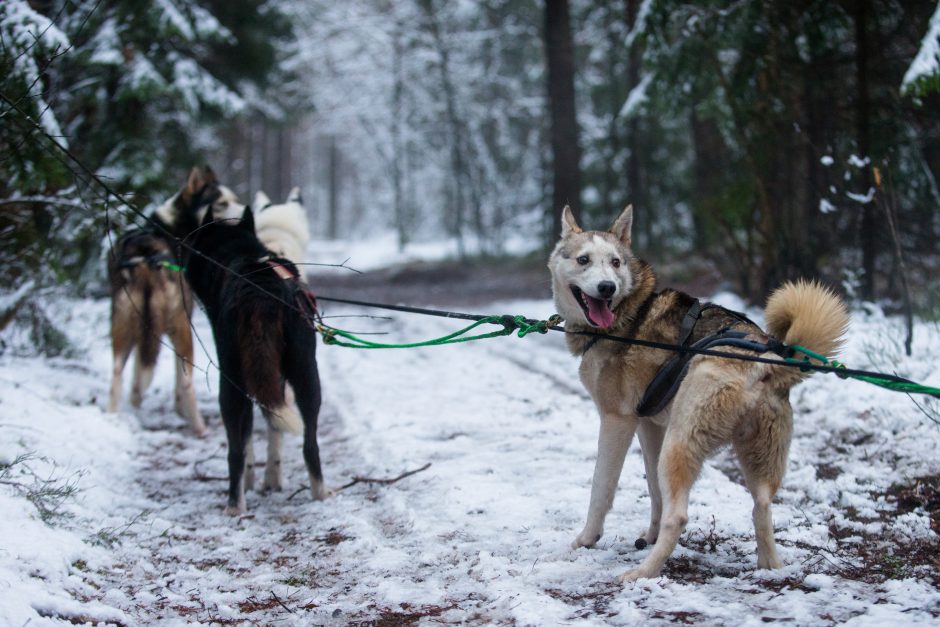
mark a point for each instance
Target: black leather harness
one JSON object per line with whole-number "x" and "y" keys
{"x": 666, "y": 383}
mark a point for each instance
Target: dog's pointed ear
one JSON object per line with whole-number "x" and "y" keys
{"x": 261, "y": 201}
{"x": 623, "y": 226}
{"x": 568, "y": 223}
{"x": 194, "y": 183}
{"x": 211, "y": 178}
{"x": 248, "y": 220}
{"x": 295, "y": 196}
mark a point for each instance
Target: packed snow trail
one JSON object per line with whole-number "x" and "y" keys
{"x": 482, "y": 535}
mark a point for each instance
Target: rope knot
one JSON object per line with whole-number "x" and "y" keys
{"x": 526, "y": 326}
{"x": 329, "y": 334}
{"x": 841, "y": 366}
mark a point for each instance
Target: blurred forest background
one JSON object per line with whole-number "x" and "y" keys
{"x": 768, "y": 138}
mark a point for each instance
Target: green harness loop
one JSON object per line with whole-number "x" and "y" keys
{"x": 523, "y": 325}
{"x": 169, "y": 265}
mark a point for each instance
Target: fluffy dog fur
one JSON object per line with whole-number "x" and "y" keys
{"x": 599, "y": 284}
{"x": 283, "y": 229}
{"x": 261, "y": 338}
{"x": 147, "y": 302}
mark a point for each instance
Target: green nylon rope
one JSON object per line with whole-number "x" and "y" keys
{"x": 524, "y": 326}
{"x": 909, "y": 387}
{"x": 521, "y": 324}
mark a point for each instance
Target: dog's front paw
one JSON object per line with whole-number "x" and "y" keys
{"x": 272, "y": 483}
{"x": 320, "y": 492}
{"x": 771, "y": 562}
{"x": 586, "y": 539}
{"x": 637, "y": 573}
{"x": 235, "y": 510}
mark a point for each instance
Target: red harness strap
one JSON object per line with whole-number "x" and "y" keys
{"x": 282, "y": 271}
{"x": 307, "y": 300}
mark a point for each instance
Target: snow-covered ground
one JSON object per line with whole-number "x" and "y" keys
{"x": 482, "y": 535}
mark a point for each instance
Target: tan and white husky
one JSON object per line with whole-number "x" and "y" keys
{"x": 149, "y": 301}
{"x": 600, "y": 286}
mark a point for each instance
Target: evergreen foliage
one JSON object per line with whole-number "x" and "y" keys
{"x": 132, "y": 89}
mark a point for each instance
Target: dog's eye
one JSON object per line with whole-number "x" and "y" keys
{"x": 583, "y": 260}
{"x": 223, "y": 204}
{"x": 615, "y": 262}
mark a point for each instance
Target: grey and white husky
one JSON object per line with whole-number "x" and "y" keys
{"x": 599, "y": 285}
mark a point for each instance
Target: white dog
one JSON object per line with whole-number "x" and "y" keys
{"x": 283, "y": 229}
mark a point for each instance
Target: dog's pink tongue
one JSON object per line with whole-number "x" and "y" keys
{"x": 598, "y": 312}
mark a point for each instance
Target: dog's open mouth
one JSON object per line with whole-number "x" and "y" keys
{"x": 596, "y": 310}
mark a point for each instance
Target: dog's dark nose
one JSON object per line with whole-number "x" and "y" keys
{"x": 606, "y": 288}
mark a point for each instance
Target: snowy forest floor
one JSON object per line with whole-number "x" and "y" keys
{"x": 118, "y": 518}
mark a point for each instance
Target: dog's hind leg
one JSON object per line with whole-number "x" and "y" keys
{"x": 678, "y": 469}
{"x": 117, "y": 383}
{"x": 143, "y": 375}
{"x": 310, "y": 408}
{"x": 651, "y": 441}
{"x": 272, "y": 466}
{"x": 762, "y": 445}
{"x": 249, "y": 464}
{"x": 122, "y": 343}
{"x": 306, "y": 384}
{"x": 237, "y": 416}
{"x": 185, "y": 395}
{"x": 702, "y": 418}
{"x": 616, "y": 433}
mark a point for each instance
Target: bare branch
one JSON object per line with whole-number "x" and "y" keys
{"x": 357, "y": 479}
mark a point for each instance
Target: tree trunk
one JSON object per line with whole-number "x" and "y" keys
{"x": 566, "y": 152}
{"x": 867, "y": 235}
{"x": 709, "y": 152}
{"x": 401, "y": 223}
{"x": 460, "y": 158}
{"x": 634, "y": 138}
{"x": 285, "y": 163}
{"x": 333, "y": 225}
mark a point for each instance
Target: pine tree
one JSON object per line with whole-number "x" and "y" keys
{"x": 131, "y": 90}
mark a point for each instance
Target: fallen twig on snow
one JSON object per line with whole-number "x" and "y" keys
{"x": 358, "y": 479}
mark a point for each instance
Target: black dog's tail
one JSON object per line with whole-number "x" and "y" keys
{"x": 262, "y": 346}
{"x": 261, "y": 341}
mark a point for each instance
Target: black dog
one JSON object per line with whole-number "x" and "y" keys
{"x": 261, "y": 314}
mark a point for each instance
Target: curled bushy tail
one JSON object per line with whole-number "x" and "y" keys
{"x": 807, "y": 314}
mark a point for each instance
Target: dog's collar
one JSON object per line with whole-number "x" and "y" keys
{"x": 590, "y": 344}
